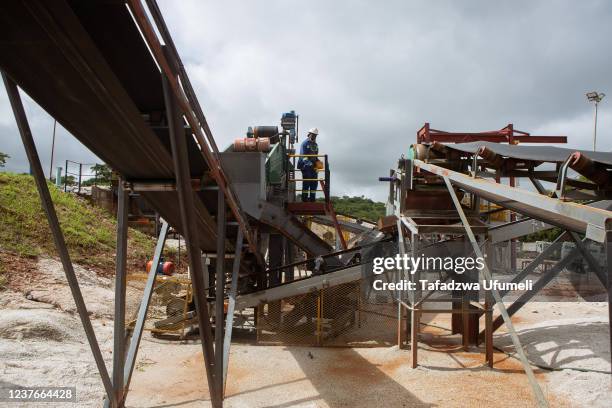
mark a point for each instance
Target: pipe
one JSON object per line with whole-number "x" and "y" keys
{"x": 489, "y": 155}
{"x": 585, "y": 166}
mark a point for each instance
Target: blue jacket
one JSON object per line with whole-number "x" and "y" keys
{"x": 308, "y": 147}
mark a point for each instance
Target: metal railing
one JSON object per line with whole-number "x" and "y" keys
{"x": 78, "y": 175}
{"x": 323, "y": 182}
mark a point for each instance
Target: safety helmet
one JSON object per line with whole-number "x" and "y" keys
{"x": 313, "y": 131}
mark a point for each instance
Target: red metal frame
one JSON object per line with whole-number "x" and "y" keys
{"x": 506, "y": 134}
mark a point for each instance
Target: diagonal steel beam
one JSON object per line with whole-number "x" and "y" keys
{"x": 130, "y": 360}
{"x": 190, "y": 233}
{"x": 220, "y": 292}
{"x": 608, "y": 249}
{"x": 487, "y": 275}
{"x": 56, "y": 231}
{"x": 556, "y": 244}
{"x": 231, "y": 306}
{"x": 144, "y": 305}
{"x": 540, "y": 283}
{"x": 537, "y": 286}
{"x": 590, "y": 259}
{"x": 201, "y": 131}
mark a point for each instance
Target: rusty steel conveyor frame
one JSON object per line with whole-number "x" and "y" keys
{"x": 593, "y": 220}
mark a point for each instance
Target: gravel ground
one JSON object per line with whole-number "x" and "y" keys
{"x": 43, "y": 344}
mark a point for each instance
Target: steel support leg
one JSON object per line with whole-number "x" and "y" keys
{"x": 56, "y": 231}
{"x": 414, "y": 336}
{"x": 608, "y": 248}
{"x": 415, "y": 315}
{"x": 536, "y": 183}
{"x": 488, "y": 320}
{"x": 231, "y": 306}
{"x": 465, "y": 324}
{"x": 189, "y": 232}
{"x": 539, "y": 395}
{"x": 130, "y": 360}
{"x": 288, "y": 254}
{"x": 120, "y": 288}
{"x": 402, "y": 316}
{"x": 220, "y": 291}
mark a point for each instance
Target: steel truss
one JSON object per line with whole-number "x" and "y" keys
{"x": 125, "y": 348}
{"x": 593, "y": 221}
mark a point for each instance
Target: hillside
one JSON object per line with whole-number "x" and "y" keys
{"x": 89, "y": 231}
{"x": 359, "y": 207}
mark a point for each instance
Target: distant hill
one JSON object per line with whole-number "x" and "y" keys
{"x": 359, "y": 207}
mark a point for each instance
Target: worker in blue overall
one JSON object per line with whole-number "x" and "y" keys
{"x": 308, "y": 165}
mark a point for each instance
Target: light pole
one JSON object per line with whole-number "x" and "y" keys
{"x": 52, "y": 151}
{"x": 595, "y": 97}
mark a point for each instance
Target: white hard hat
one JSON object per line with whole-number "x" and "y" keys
{"x": 314, "y": 131}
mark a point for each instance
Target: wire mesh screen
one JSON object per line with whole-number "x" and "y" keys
{"x": 171, "y": 310}
{"x": 351, "y": 314}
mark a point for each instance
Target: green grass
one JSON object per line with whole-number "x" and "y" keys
{"x": 358, "y": 207}
{"x": 89, "y": 231}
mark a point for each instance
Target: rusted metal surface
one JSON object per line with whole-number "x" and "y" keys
{"x": 387, "y": 224}
{"x": 110, "y": 97}
{"x": 507, "y": 160}
{"x": 202, "y": 135}
{"x": 591, "y": 170}
{"x": 434, "y": 199}
{"x": 186, "y": 208}
{"x": 505, "y": 135}
{"x": 549, "y": 154}
{"x": 306, "y": 208}
{"x": 85, "y": 90}
{"x": 251, "y": 144}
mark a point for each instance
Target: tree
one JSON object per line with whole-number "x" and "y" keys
{"x": 3, "y": 157}
{"x": 358, "y": 207}
{"x": 70, "y": 180}
{"x": 103, "y": 175}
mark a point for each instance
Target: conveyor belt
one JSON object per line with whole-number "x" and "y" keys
{"x": 87, "y": 65}
{"x": 369, "y": 246}
{"x": 301, "y": 286}
{"x": 593, "y": 222}
{"x": 550, "y": 154}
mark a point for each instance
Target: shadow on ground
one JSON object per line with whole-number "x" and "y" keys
{"x": 578, "y": 345}
{"x": 342, "y": 377}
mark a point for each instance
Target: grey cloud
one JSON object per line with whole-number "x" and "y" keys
{"x": 369, "y": 74}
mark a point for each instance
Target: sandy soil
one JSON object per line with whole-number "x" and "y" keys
{"x": 43, "y": 344}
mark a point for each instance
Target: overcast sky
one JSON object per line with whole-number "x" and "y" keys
{"x": 369, "y": 74}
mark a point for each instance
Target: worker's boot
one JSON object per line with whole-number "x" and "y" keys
{"x": 304, "y": 197}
